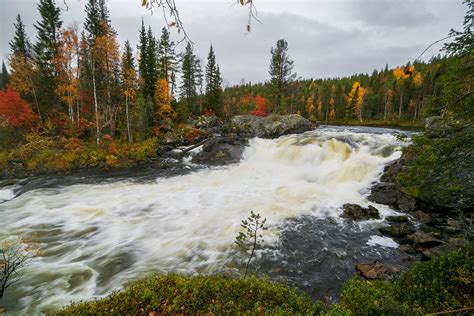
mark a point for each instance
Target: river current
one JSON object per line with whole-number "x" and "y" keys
{"x": 99, "y": 233}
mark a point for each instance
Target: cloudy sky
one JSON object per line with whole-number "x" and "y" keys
{"x": 327, "y": 38}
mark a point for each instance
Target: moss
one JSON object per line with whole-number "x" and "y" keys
{"x": 173, "y": 294}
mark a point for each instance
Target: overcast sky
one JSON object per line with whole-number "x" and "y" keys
{"x": 327, "y": 38}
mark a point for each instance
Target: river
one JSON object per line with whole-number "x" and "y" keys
{"x": 100, "y": 232}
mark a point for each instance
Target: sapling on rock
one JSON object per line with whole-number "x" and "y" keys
{"x": 249, "y": 238}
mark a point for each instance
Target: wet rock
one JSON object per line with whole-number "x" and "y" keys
{"x": 423, "y": 217}
{"x": 397, "y": 231}
{"x": 358, "y": 212}
{"x": 397, "y": 219}
{"x": 423, "y": 240}
{"x": 375, "y": 270}
{"x": 208, "y": 123}
{"x": 221, "y": 151}
{"x": 268, "y": 127}
{"x": 388, "y": 194}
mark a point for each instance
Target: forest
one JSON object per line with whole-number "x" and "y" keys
{"x": 84, "y": 84}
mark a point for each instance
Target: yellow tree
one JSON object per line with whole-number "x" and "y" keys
{"x": 67, "y": 69}
{"x": 107, "y": 58}
{"x": 417, "y": 82}
{"x": 401, "y": 75}
{"x": 359, "y": 103}
{"x": 320, "y": 106}
{"x": 351, "y": 100}
{"x": 163, "y": 109}
{"x": 129, "y": 83}
{"x": 332, "y": 111}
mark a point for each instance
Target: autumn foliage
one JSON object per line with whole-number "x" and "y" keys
{"x": 14, "y": 111}
{"x": 261, "y": 106}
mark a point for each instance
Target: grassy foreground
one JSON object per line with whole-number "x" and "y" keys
{"x": 442, "y": 284}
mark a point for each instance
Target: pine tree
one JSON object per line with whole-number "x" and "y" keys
{"x": 189, "y": 81}
{"x": 4, "y": 77}
{"x": 281, "y": 73}
{"x": 45, "y": 49}
{"x": 167, "y": 59}
{"x": 213, "y": 84}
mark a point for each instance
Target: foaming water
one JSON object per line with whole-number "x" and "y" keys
{"x": 98, "y": 237}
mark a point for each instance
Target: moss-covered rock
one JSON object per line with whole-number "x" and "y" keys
{"x": 439, "y": 169}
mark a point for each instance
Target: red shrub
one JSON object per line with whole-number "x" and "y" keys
{"x": 14, "y": 111}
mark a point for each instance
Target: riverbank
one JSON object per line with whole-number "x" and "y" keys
{"x": 408, "y": 125}
{"x": 441, "y": 285}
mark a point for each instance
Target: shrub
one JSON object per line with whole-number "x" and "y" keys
{"x": 442, "y": 284}
{"x": 173, "y": 294}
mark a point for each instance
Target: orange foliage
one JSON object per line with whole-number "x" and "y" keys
{"x": 14, "y": 111}
{"x": 261, "y": 105}
{"x": 208, "y": 112}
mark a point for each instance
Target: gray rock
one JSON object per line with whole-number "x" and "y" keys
{"x": 397, "y": 231}
{"x": 423, "y": 240}
{"x": 397, "y": 219}
{"x": 221, "y": 151}
{"x": 358, "y": 212}
{"x": 268, "y": 127}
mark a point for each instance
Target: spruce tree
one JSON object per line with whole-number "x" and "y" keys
{"x": 189, "y": 80}
{"x": 213, "y": 84}
{"x": 281, "y": 73}
{"x": 20, "y": 43}
{"x": 47, "y": 37}
{"x": 45, "y": 49}
{"x": 151, "y": 75}
{"x": 4, "y": 77}
{"x": 167, "y": 59}
{"x": 142, "y": 48}
{"x": 97, "y": 17}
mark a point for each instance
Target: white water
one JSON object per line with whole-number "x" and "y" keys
{"x": 98, "y": 237}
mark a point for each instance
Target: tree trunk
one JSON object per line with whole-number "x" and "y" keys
{"x": 128, "y": 119}
{"x": 96, "y": 108}
{"x": 400, "y": 106}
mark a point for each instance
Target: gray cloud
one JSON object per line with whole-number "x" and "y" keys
{"x": 392, "y": 14}
{"x": 326, "y": 38}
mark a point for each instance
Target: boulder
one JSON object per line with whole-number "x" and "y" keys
{"x": 397, "y": 231}
{"x": 388, "y": 194}
{"x": 358, "y": 212}
{"x": 221, "y": 151}
{"x": 272, "y": 126}
{"x": 374, "y": 270}
{"x": 423, "y": 240}
{"x": 397, "y": 219}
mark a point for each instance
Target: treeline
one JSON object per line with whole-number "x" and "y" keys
{"x": 82, "y": 84}
{"x": 404, "y": 93}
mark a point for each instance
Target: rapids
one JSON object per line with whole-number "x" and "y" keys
{"x": 98, "y": 236}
